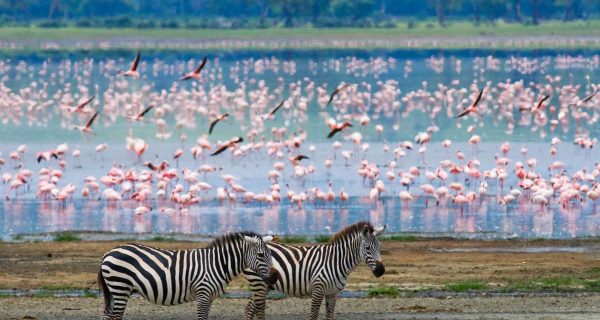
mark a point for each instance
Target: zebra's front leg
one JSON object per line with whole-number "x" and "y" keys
{"x": 258, "y": 304}
{"x": 249, "y": 311}
{"x": 330, "y": 306}
{"x": 203, "y": 303}
{"x": 318, "y": 292}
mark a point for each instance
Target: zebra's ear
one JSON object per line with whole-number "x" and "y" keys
{"x": 379, "y": 230}
{"x": 366, "y": 230}
{"x": 251, "y": 240}
{"x": 267, "y": 239}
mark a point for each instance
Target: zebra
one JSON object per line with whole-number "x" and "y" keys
{"x": 168, "y": 277}
{"x": 318, "y": 271}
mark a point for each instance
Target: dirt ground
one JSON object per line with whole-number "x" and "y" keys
{"x": 424, "y": 264}
{"x": 548, "y": 308}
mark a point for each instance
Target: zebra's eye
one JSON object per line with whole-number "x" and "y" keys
{"x": 260, "y": 254}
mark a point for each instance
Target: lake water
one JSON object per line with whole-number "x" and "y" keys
{"x": 39, "y": 85}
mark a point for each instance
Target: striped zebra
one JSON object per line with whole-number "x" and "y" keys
{"x": 167, "y": 277}
{"x": 319, "y": 271}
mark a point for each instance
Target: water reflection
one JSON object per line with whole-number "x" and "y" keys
{"x": 482, "y": 220}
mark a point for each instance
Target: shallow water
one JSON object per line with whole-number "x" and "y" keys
{"x": 485, "y": 218}
{"x": 94, "y": 73}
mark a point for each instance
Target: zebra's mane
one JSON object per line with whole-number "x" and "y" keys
{"x": 350, "y": 230}
{"x": 230, "y": 238}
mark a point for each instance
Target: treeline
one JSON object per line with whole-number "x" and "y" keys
{"x": 287, "y": 13}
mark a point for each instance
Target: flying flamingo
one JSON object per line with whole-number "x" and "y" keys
{"x": 132, "y": 72}
{"x": 336, "y": 91}
{"x": 228, "y": 144}
{"x": 214, "y": 123}
{"x": 539, "y": 106}
{"x": 338, "y": 128}
{"x": 472, "y": 107}
{"x": 79, "y": 107}
{"x": 196, "y": 73}
{"x": 88, "y": 125}
{"x": 141, "y": 115}
{"x": 271, "y": 114}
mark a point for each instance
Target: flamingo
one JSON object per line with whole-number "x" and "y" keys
{"x": 132, "y": 72}
{"x": 196, "y": 73}
{"x": 336, "y": 91}
{"x": 472, "y": 107}
{"x": 217, "y": 120}
{"x": 338, "y": 128}
{"x": 229, "y": 144}
{"x": 87, "y": 128}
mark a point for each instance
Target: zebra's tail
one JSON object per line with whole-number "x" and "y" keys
{"x": 104, "y": 289}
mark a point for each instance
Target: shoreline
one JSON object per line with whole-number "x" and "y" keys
{"x": 516, "y": 43}
{"x": 303, "y": 239}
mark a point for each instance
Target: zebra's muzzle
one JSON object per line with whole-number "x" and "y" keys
{"x": 379, "y": 269}
{"x": 273, "y": 277}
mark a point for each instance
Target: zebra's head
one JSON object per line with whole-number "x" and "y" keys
{"x": 371, "y": 249}
{"x": 257, "y": 257}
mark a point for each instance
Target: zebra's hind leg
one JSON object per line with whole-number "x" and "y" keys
{"x": 203, "y": 303}
{"x": 257, "y": 305}
{"x": 317, "y": 300}
{"x": 119, "y": 302}
{"x": 330, "y": 306}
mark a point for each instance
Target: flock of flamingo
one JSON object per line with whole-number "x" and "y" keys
{"x": 271, "y": 134}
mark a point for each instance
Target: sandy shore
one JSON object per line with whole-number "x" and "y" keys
{"x": 413, "y": 267}
{"x": 418, "y": 265}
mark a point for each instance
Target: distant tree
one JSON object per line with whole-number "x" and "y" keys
{"x": 19, "y": 9}
{"x": 535, "y": 11}
{"x": 382, "y": 7}
{"x": 442, "y": 7}
{"x": 354, "y": 9}
{"x": 491, "y": 9}
{"x": 571, "y": 9}
{"x": 477, "y": 11}
{"x": 288, "y": 9}
{"x": 319, "y": 8}
{"x": 440, "y": 10}
{"x": 516, "y": 6}
{"x": 588, "y": 6}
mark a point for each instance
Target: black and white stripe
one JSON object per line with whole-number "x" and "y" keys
{"x": 168, "y": 277}
{"x": 318, "y": 271}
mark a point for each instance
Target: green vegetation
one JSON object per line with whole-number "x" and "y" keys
{"x": 457, "y": 35}
{"x": 401, "y": 238}
{"x": 322, "y": 238}
{"x": 66, "y": 236}
{"x": 58, "y": 287}
{"x": 466, "y": 286}
{"x": 392, "y": 292}
{"x": 594, "y": 270}
{"x": 294, "y": 239}
{"x": 87, "y": 293}
{"x": 18, "y": 237}
{"x": 561, "y": 284}
{"x": 456, "y": 29}
{"x": 162, "y": 239}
